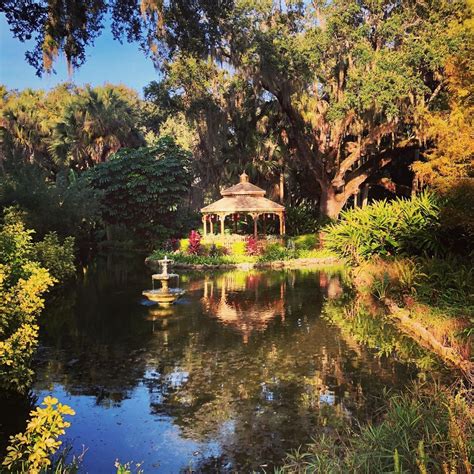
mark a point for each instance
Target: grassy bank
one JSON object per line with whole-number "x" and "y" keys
{"x": 430, "y": 299}
{"x": 402, "y": 259}
{"x": 426, "y": 430}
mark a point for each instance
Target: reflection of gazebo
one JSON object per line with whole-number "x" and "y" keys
{"x": 239, "y": 306}
{"x": 243, "y": 198}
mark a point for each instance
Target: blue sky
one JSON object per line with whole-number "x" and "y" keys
{"x": 107, "y": 61}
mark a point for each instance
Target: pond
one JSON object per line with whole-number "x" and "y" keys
{"x": 245, "y": 367}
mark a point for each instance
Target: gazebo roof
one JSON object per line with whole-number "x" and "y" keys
{"x": 243, "y": 187}
{"x": 243, "y": 197}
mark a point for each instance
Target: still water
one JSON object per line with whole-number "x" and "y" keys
{"x": 245, "y": 367}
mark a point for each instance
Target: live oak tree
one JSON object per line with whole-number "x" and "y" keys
{"x": 236, "y": 128}
{"x": 69, "y": 26}
{"x": 349, "y": 77}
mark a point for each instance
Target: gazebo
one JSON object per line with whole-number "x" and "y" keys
{"x": 243, "y": 198}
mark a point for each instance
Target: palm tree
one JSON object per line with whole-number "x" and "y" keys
{"x": 95, "y": 124}
{"x": 23, "y": 124}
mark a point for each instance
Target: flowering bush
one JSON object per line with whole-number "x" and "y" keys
{"x": 251, "y": 246}
{"x": 194, "y": 243}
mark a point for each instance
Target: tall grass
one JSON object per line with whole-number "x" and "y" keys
{"x": 425, "y": 430}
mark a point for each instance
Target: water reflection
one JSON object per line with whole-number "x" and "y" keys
{"x": 245, "y": 301}
{"x": 241, "y": 370}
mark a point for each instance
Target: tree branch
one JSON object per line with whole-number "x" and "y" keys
{"x": 356, "y": 151}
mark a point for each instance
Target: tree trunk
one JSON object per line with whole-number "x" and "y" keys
{"x": 330, "y": 203}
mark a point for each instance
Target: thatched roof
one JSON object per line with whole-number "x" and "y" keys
{"x": 243, "y": 197}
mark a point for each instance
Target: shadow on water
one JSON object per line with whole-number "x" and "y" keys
{"x": 246, "y": 366}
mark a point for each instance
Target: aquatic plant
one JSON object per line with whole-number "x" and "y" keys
{"x": 422, "y": 430}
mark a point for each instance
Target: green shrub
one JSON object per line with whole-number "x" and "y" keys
{"x": 399, "y": 227}
{"x": 306, "y": 241}
{"x": 302, "y": 219}
{"x": 276, "y": 251}
{"x": 447, "y": 283}
{"x": 183, "y": 245}
{"x": 69, "y": 206}
{"x": 408, "y": 275}
{"x": 380, "y": 286}
{"x": 238, "y": 248}
{"x": 57, "y": 257}
{"x": 144, "y": 188}
{"x": 203, "y": 259}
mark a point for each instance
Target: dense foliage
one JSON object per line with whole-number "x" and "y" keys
{"x": 22, "y": 284}
{"x": 144, "y": 188}
{"x": 66, "y": 205}
{"x": 58, "y": 257}
{"x": 387, "y": 228}
{"x": 68, "y": 125}
{"x": 315, "y": 99}
{"x": 27, "y": 270}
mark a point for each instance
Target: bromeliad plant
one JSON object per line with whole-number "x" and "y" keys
{"x": 194, "y": 243}
{"x": 251, "y": 246}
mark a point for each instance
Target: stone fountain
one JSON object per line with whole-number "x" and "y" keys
{"x": 166, "y": 295}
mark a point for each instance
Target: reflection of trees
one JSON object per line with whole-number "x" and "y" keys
{"x": 268, "y": 395}
{"x": 370, "y": 327}
{"x": 293, "y": 377}
{"x": 93, "y": 333}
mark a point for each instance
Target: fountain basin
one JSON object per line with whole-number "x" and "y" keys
{"x": 162, "y": 296}
{"x": 164, "y": 276}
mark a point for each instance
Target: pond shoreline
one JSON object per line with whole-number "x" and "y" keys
{"x": 409, "y": 316}
{"x": 276, "y": 264}
{"x": 405, "y": 321}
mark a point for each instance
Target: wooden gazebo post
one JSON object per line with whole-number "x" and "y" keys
{"x": 204, "y": 224}
{"x": 222, "y": 219}
{"x": 281, "y": 216}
